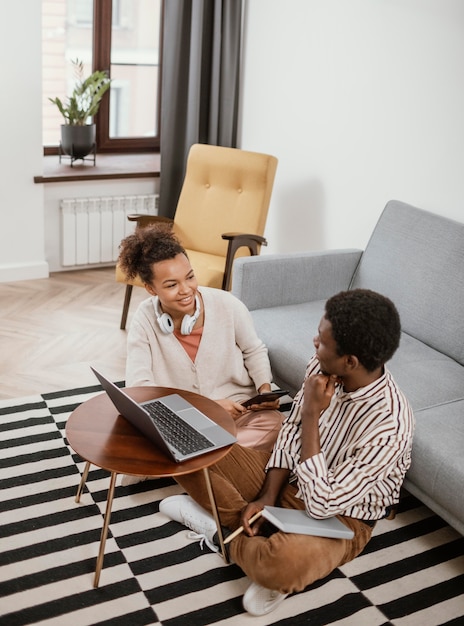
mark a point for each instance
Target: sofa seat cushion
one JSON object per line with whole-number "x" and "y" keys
{"x": 288, "y": 333}
{"x": 437, "y": 468}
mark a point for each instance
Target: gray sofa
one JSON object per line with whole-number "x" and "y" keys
{"x": 415, "y": 258}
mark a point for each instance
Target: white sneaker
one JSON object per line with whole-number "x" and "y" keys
{"x": 130, "y": 479}
{"x": 260, "y": 601}
{"x": 186, "y": 511}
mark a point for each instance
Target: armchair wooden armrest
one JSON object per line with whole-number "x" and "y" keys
{"x": 236, "y": 241}
{"x": 144, "y": 219}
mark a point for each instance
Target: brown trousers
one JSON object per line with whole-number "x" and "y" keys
{"x": 285, "y": 562}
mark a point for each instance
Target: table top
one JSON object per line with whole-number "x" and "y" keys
{"x": 97, "y": 432}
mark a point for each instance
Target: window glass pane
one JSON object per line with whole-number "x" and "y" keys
{"x": 66, "y": 35}
{"x": 133, "y": 34}
{"x": 134, "y": 68}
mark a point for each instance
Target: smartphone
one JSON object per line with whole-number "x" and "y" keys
{"x": 268, "y": 396}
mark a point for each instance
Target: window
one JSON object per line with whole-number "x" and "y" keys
{"x": 121, "y": 36}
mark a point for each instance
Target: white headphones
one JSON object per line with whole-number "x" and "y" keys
{"x": 166, "y": 323}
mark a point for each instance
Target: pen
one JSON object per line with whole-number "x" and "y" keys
{"x": 240, "y": 529}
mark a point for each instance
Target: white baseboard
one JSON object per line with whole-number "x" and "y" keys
{"x": 12, "y": 272}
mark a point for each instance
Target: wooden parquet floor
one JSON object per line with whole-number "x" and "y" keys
{"x": 53, "y": 329}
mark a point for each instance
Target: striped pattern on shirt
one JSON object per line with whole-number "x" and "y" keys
{"x": 366, "y": 440}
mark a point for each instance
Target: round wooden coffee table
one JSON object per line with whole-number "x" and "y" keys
{"x": 102, "y": 437}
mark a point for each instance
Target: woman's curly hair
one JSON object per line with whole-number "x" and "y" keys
{"x": 146, "y": 246}
{"x": 365, "y": 324}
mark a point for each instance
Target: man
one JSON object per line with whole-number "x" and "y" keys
{"x": 343, "y": 451}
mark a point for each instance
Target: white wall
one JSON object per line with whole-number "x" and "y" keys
{"x": 362, "y": 102}
{"x": 21, "y": 201}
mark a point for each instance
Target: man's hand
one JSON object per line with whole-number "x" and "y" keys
{"x": 318, "y": 392}
{"x": 276, "y": 478}
{"x": 251, "y": 509}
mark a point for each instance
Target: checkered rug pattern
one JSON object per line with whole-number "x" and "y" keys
{"x": 411, "y": 573}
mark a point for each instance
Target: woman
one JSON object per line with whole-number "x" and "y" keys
{"x": 195, "y": 338}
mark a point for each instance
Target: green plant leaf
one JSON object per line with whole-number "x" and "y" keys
{"x": 86, "y": 96}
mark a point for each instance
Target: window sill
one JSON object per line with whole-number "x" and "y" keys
{"x": 107, "y": 166}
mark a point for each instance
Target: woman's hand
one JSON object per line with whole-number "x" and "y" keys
{"x": 235, "y": 409}
{"x": 270, "y": 404}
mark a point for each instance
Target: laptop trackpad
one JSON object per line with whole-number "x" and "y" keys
{"x": 188, "y": 412}
{"x": 194, "y": 418}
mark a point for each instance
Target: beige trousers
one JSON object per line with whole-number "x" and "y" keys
{"x": 259, "y": 429}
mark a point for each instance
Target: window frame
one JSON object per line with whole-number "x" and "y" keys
{"x": 101, "y": 59}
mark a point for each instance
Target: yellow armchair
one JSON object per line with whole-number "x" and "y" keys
{"x": 221, "y": 212}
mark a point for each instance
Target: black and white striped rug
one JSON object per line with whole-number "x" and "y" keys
{"x": 411, "y": 574}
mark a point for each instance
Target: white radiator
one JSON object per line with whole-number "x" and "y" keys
{"x": 92, "y": 228}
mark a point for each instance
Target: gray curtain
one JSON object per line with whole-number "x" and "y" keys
{"x": 200, "y": 82}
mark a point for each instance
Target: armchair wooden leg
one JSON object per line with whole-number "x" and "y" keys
{"x": 125, "y": 308}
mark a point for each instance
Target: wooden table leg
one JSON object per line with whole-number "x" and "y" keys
{"x": 212, "y": 500}
{"x": 104, "y": 532}
{"x": 83, "y": 481}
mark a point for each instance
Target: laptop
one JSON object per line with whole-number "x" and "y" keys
{"x": 175, "y": 426}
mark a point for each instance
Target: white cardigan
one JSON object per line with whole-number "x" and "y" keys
{"x": 231, "y": 362}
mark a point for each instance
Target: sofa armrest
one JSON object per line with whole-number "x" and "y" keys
{"x": 277, "y": 279}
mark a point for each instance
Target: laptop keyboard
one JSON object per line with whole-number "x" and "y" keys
{"x": 177, "y": 433}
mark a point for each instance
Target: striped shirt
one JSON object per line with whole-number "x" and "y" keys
{"x": 366, "y": 440}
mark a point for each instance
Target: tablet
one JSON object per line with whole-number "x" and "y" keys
{"x": 268, "y": 396}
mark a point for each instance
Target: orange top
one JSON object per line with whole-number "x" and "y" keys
{"x": 190, "y": 342}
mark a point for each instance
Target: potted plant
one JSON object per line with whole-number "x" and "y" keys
{"x": 77, "y": 135}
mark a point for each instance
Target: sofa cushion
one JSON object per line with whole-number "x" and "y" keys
{"x": 427, "y": 377}
{"x": 416, "y": 258}
{"x": 437, "y": 468}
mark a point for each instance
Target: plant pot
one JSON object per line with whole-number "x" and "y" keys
{"x": 77, "y": 141}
